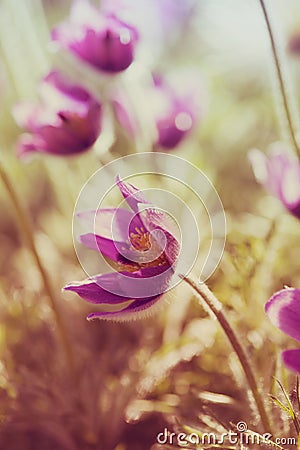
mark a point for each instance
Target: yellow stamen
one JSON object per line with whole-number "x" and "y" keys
{"x": 141, "y": 241}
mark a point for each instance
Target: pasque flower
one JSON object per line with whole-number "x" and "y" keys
{"x": 283, "y": 309}
{"x": 66, "y": 122}
{"x": 176, "y": 114}
{"x": 141, "y": 244}
{"x": 172, "y": 109}
{"x": 293, "y": 45}
{"x": 280, "y": 175}
{"x": 98, "y": 38}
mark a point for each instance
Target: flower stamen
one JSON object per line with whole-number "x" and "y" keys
{"x": 141, "y": 239}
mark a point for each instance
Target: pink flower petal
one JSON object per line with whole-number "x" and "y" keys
{"x": 116, "y": 251}
{"x": 291, "y": 359}
{"x": 283, "y": 309}
{"x": 100, "y": 39}
{"x": 111, "y": 223}
{"x": 92, "y": 292}
{"x": 132, "y": 195}
{"x": 136, "y": 310}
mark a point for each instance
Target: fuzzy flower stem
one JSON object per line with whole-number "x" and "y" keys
{"x": 28, "y": 235}
{"x": 215, "y": 307}
{"x": 281, "y": 81}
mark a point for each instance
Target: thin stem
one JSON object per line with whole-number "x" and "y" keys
{"x": 28, "y": 235}
{"x": 279, "y": 72}
{"x": 215, "y": 307}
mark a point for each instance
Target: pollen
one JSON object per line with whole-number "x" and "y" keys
{"x": 141, "y": 239}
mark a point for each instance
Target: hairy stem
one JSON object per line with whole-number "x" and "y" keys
{"x": 281, "y": 81}
{"x": 28, "y": 235}
{"x": 215, "y": 307}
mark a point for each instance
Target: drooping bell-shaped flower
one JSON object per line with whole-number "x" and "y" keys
{"x": 142, "y": 246}
{"x": 66, "y": 122}
{"x": 280, "y": 175}
{"x": 283, "y": 309}
{"x": 98, "y": 38}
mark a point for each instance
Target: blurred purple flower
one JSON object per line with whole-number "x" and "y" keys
{"x": 98, "y": 38}
{"x": 160, "y": 23}
{"x": 173, "y": 110}
{"x": 66, "y": 122}
{"x": 176, "y": 114}
{"x": 280, "y": 175}
{"x": 125, "y": 116}
{"x": 293, "y": 46}
{"x": 144, "y": 248}
{"x": 283, "y": 309}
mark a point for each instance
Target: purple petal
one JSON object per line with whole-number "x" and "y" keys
{"x": 100, "y": 39}
{"x": 290, "y": 188}
{"x": 283, "y": 310}
{"x": 280, "y": 175}
{"x": 117, "y": 287}
{"x": 67, "y": 121}
{"x": 92, "y": 292}
{"x": 178, "y": 108}
{"x": 293, "y": 46}
{"x": 28, "y": 144}
{"x": 174, "y": 126}
{"x": 111, "y": 223}
{"x": 291, "y": 359}
{"x": 132, "y": 195}
{"x": 66, "y": 139}
{"x": 169, "y": 135}
{"x": 108, "y": 247}
{"x": 137, "y": 309}
{"x": 75, "y": 92}
{"x": 125, "y": 116}
{"x": 145, "y": 282}
{"x": 261, "y": 171}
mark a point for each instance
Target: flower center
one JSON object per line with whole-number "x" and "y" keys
{"x": 141, "y": 239}
{"x": 141, "y": 242}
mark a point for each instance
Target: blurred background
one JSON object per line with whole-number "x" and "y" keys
{"x": 126, "y": 382}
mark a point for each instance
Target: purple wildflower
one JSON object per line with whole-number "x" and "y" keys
{"x": 68, "y": 120}
{"x": 173, "y": 109}
{"x": 280, "y": 175}
{"x": 125, "y": 116}
{"x": 283, "y": 309}
{"x": 98, "y": 38}
{"x": 176, "y": 114}
{"x": 143, "y": 246}
{"x": 293, "y": 46}
{"x": 159, "y": 22}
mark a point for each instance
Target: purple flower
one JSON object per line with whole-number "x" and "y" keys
{"x": 280, "y": 175}
{"x": 293, "y": 46}
{"x": 174, "y": 107}
{"x": 125, "y": 116}
{"x": 160, "y": 22}
{"x": 283, "y": 309}
{"x": 140, "y": 242}
{"x": 176, "y": 115}
{"x": 66, "y": 122}
{"x": 98, "y": 38}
